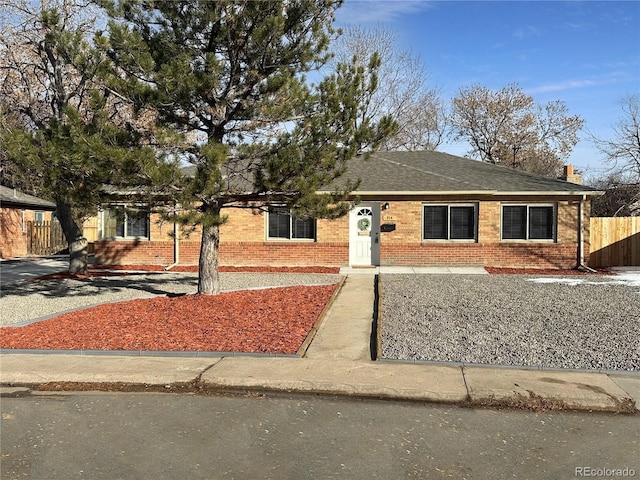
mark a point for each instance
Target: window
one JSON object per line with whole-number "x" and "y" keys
{"x": 283, "y": 225}
{"x": 449, "y": 222}
{"x": 528, "y": 222}
{"x": 125, "y": 222}
{"x": 38, "y": 217}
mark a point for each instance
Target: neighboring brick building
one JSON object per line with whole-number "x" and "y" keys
{"x": 416, "y": 208}
{"x": 17, "y": 209}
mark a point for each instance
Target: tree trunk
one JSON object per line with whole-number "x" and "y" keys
{"x": 208, "y": 275}
{"x": 77, "y": 243}
{"x": 78, "y": 256}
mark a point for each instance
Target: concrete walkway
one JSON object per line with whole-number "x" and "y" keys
{"x": 337, "y": 363}
{"x": 421, "y": 270}
{"x": 346, "y": 332}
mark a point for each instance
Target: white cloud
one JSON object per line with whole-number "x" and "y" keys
{"x": 619, "y": 74}
{"x": 379, "y": 11}
{"x": 526, "y": 32}
{"x": 560, "y": 86}
{"x": 578, "y": 26}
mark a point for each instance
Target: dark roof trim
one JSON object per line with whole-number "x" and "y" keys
{"x": 10, "y": 197}
{"x": 458, "y": 193}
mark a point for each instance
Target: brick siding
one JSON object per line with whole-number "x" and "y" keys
{"x": 243, "y": 242}
{"x": 13, "y": 238}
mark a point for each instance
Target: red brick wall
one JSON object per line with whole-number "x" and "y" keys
{"x": 243, "y": 242}
{"x": 233, "y": 254}
{"x": 13, "y": 239}
{"x": 405, "y": 246}
{"x": 133, "y": 252}
{"x": 536, "y": 255}
{"x": 285, "y": 253}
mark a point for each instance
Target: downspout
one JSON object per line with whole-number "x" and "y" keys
{"x": 581, "y": 265}
{"x": 176, "y": 247}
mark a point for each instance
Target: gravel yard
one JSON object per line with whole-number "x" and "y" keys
{"x": 26, "y": 301}
{"x": 590, "y": 322}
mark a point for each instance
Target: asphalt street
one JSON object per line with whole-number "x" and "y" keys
{"x": 111, "y": 436}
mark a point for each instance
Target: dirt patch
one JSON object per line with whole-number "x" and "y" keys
{"x": 274, "y": 320}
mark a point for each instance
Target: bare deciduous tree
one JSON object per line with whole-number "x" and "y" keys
{"x": 620, "y": 199}
{"x": 39, "y": 81}
{"x": 37, "y": 75}
{"x": 623, "y": 150}
{"x": 402, "y": 91}
{"x": 56, "y": 120}
{"x": 507, "y": 127}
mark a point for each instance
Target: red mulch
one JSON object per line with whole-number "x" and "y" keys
{"x": 275, "y": 320}
{"x": 543, "y": 271}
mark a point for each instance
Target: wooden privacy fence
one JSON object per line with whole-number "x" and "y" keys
{"x": 615, "y": 241}
{"x": 45, "y": 238}
{"x": 90, "y": 229}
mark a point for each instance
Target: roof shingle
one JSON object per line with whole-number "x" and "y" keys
{"x": 437, "y": 172}
{"x": 10, "y": 197}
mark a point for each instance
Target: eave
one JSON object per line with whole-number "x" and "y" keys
{"x": 28, "y": 205}
{"x": 492, "y": 193}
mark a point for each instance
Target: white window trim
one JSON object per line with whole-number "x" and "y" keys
{"x": 280, "y": 239}
{"x": 554, "y": 236}
{"x": 476, "y": 209}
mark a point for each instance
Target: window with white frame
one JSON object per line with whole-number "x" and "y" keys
{"x": 449, "y": 222}
{"x": 282, "y": 225}
{"x": 528, "y": 222}
{"x": 125, "y": 222}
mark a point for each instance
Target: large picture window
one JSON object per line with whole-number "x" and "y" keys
{"x": 449, "y": 222}
{"x": 125, "y": 222}
{"x": 528, "y": 222}
{"x": 284, "y": 226}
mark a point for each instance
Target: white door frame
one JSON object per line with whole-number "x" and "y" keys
{"x": 364, "y": 240}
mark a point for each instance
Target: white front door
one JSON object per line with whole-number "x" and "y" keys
{"x": 364, "y": 234}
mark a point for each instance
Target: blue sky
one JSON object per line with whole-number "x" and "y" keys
{"x": 585, "y": 53}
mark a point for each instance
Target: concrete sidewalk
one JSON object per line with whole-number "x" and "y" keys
{"x": 20, "y": 269}
{"x": 336, "y": 363}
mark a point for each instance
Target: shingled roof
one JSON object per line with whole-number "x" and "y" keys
{"x": 433, "y": 173}
{"x": 429, "y": 172}
{"x": 10, "y": 197}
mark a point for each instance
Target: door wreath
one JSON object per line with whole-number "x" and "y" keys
{"x": 364, "y": 224}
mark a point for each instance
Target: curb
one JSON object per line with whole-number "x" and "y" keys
{"x": 473, "y": 387}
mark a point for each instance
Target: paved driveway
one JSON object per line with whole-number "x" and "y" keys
{"x": 16, "y": 270}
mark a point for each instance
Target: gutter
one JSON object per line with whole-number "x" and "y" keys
{"x": 581, "y": 265}
{"x": 494, "y": 193}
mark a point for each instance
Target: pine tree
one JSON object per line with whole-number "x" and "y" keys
{"x": 230, "y": 77}
{"x": 60, "y": 131}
